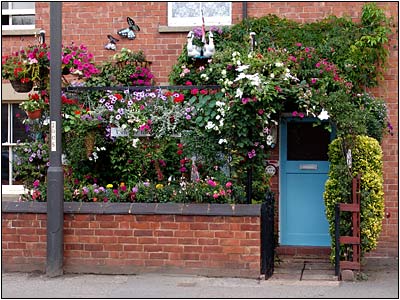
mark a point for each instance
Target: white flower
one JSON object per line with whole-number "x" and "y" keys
{"x": 242, "y": 68}
{"x": 222, "y": 141}
{"x": 223, "y": 73}
{"x": 255, "y": 79}
{"x": 241, "y": 76}
{"x": 235, "y": 54}
{"x": 210, "y": 125}
{"x": 323, "y": 115}
{"x": 204, "y": 76}
{"x": 134, "y": 142}
{"x": 239, "y": 93}
{"x": 278, "y": 64}
{"x": 219, "y": 104}
{"x": 218, "y": 117}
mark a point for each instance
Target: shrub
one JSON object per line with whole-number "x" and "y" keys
{"x": 366, "y": 160}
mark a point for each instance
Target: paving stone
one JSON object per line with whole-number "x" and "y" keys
{"x": 347, "y": 275}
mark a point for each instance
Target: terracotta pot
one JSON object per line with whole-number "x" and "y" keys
{"x": 20, "y": 87}
{"x": 34, "y": 114}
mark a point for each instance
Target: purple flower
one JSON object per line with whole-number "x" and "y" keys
{"x": 251, "y": 154}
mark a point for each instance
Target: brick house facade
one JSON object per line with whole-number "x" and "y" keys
{"x": 89, "y": 23}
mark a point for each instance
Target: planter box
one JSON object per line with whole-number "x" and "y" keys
{"x": 132, "y": 238}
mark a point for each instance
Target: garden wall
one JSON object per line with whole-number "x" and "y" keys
{"x": 125, "y": 238}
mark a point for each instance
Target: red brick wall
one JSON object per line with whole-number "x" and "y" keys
{"x": 89, "y": 23}
{"x": 128, "y": 244}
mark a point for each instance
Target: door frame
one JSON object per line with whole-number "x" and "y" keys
{"x": 282, "y": 168}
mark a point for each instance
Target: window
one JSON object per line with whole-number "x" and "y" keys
{"x": 17, "y": 15}
{"x": 189, "y": 13}
{"x": 12, "y": 130}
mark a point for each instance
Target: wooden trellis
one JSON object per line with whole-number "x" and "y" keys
{"x": 355, "y": 239}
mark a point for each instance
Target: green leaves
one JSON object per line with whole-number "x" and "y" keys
{"x": 366, "y": 156}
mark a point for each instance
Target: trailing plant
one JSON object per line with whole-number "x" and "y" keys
{"x": 366, "y": 160}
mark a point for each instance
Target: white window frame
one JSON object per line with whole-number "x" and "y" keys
{"x": 13, "y": 12}
{"x": 10, "y": 188}
{"x": 197, "y": 21}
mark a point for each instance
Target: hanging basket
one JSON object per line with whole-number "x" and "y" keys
{"x": 33, "y": 115}
{"x": 89, "y": 142}
{"x": 22, "y": 87}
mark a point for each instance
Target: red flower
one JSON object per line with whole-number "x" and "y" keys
{"x": 179, "y": 98}
{"x": 119, "y": 96}
{"x": 194, "y": 91}
{"x": 204, "y": 92}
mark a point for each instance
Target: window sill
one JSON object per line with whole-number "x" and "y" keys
{"x": 9, "y": 95}
{"x": 14, "y": 32}
{"x": 173, "y": 29}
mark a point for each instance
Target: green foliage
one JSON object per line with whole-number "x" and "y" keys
{"x": 366, "y": 160}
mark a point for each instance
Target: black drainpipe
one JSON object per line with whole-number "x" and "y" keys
{"x": 244, "y": 9}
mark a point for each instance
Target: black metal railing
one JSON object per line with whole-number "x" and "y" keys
{"x": 267, "y": 236}
{"x": 138, "y": 88}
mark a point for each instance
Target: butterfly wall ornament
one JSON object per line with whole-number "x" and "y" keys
{"x": 112, "y": 43}
{"x": 130, "y": 31}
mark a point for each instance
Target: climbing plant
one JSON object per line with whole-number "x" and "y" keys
{"x": 319, "y": 69}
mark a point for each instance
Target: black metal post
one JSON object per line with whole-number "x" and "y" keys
{"x": 337, "y": 241}
{"x": 249, "y": 185}
{"x": 55, "y": 178}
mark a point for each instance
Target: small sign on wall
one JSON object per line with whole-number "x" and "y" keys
{"x": 118, "y": 131}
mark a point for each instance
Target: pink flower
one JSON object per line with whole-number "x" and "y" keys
{"x": 313, "y": 80}
{"x": 211, "y": 182}
{"x": 228, "y": 184}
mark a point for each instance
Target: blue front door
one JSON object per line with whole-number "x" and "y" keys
{"x": 304, "y": 169}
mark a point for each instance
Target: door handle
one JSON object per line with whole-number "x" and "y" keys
{"x": 308, "y": 167}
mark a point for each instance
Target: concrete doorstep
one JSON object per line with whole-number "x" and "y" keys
{"x": 304, "y": 269}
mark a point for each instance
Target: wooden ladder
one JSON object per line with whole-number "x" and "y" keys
{"x": 354, "y": 239}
